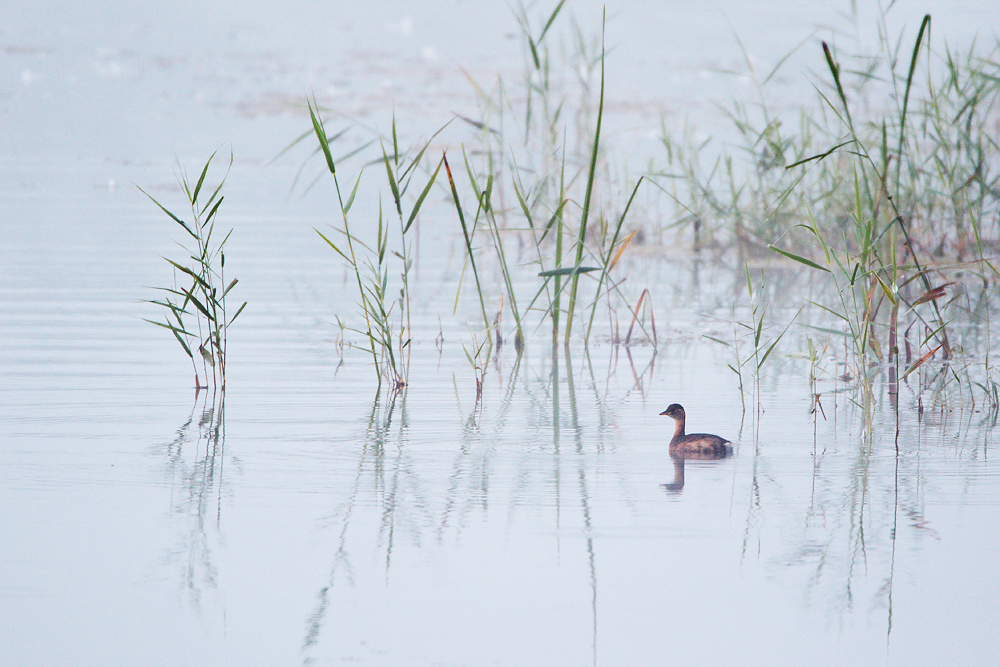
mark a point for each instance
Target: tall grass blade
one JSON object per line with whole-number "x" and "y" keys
{"x": 609, "y": 265}
{"x": 552, "y": 18}
{"x": 798, "y": 258}
{"x": 568, "y": 271}
{"x": 924, "y": 26}
{"x": 835, "y": 71}
{"x": 172, "y": 216}
{"x": 324, "y": 144}
{"x": 422, "y": 197}
{"x": 201, "y": 180}
{"x": 468, "y": 240}
{"x": 587, "y": 196}
{"x": 389, "y": 175}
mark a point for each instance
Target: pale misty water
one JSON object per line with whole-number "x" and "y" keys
{"x": 331, "y": 526}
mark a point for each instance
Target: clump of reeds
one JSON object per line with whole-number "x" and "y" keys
{"x": 927, "y": 129}
{"x": 556, "y": 204}
{"x": 555, "y": 180}
{"x": 879, "y": 260}
{"x": 195, "y": 306}
{"x": 754, "y": 333}
{"x": 387, "y": 333}
{"x": 887, "y": 200}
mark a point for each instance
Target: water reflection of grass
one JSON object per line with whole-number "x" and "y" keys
{"x": 539, "y": 463}
{"x": 397, "y": 502}
{"x": 868, "y": 510}
{"x": 194, "y": 462}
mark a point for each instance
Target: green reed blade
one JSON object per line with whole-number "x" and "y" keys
{"x": 552, "y": 18}
{"x": 589, "y": 193}
{"x": 334, "y": 246}
{"x": 422, "y": 197}
{"x": 350, "y": 198}
{"x": 215, "y": 208}
{"x": 177, "y": 334}
{"x": 822, "y": 155}
{"x": 488, "y": 194}
{"x": 534, "y": 52}
{"x": 471, "y": 175}
{"x": 382, "y": 239}
{"x": 760, "y": 328}
{"x": 177, "y": 312}
{"x": 168, "y": 325}
{"x": 717, "y": 340}
{"x": 609, "y": 261}
{"x": 395, "y": 141}
{"x": 924, "y": 26}
{"x": 223, "y": 242}
{"x": 829, "y": 310}
{"x": 388, "y": 172}
{"x": 569, "y": 271}
{"x": 531, "y": 304}
{"x": 183, "y": 269}
{"x": 776, "y": 340}
{"x": 172, "y": 216}
{"x": 836, "y": 332}
{"x": 798, "y": 258}
{"x": 199, "y": 306}
{"x": 321, "y": 137}
{"x": 556, "y": 216}
{"x": 885, "y": 288}
{"x": 468, "y": 240}
{"x": 218, "y": 188}
{"x": 201, "y": 179}
{"x": 835, "y": 71}
{"x": 523, "y": 204}
{"x": 233, "y": 319}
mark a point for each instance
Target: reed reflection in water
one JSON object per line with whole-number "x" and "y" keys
{"x": 557, "y": 466}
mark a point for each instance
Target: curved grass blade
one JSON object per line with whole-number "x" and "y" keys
{"x": 798, "y": 258}
{"x": 919, "y": 362}
{"x": 201, "y": 179}
{"x": 569, "y": 271}
{"x": 835, "y": 71}
{"x": 422, "y": 197}
{"x": 172, "y": 216}
{"x": 324, "y": 144}
{"x": 588, "y": 195}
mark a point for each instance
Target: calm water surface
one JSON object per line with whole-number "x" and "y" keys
{"x": 331, "y": 525}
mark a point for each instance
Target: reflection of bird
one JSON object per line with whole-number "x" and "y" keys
{"x": 694, "y": 445}
{"x": 678, "y": 484}
{"x": 679, "y": 456}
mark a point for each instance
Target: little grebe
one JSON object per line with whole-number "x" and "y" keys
{"x": 694, "y": 443}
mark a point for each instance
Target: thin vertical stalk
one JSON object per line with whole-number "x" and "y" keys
{"x": 321, "y": 136}
{"x": 468, "y": 246}
{"x": 587, "y": 198}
